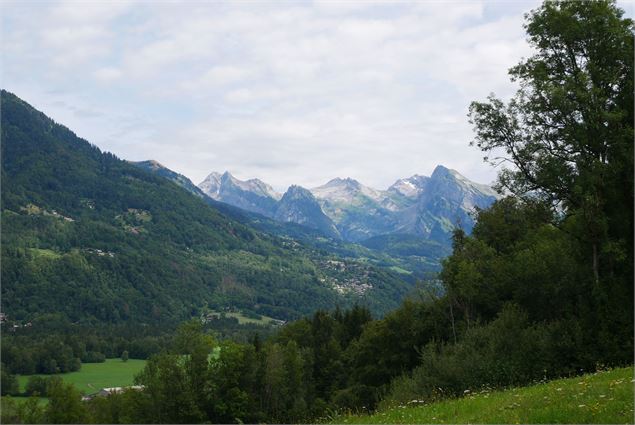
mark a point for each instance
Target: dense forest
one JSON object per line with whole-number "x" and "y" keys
{"x": 542, "y": 288}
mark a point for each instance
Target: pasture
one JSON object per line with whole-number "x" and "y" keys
{"x": 94, "y": 376}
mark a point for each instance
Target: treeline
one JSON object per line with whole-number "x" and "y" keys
{"x": 52, "y": 344}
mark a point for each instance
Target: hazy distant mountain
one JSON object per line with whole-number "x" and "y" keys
{"x": 411, "y": 187}
{"x": 298, "y": 205}
{"x": 429, "y": 207}
{"x": 252, "y": 195}
{"x": 447, "y": 202}
{"x": 358, "y": 211}
{"x": 411, "y": 253}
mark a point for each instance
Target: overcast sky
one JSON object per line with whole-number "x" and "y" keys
{"x": 290, "y": 92}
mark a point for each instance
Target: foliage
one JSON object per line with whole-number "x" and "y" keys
{"x": 568, "y": 132}
{"x": 8, "y": 382}
{"x": 27, "y": 412}
{"x": 37, "y": 386}
{"x": 65, "y": 405}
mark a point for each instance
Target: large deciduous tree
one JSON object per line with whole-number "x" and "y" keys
{"x": 568, "y": 132}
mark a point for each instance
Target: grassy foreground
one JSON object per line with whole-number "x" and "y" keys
{"x": 94, "y": 376}
{"x": 602, "y": 398}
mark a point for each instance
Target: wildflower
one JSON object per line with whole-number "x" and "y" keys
{"x": 582, "y": 405}
{"x": 558, "y": 389}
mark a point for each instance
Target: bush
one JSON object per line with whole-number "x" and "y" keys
{"x": 93, "y": 357}
{"x": 36, "y": 385}
{"x": 8, "y": 382}
{"x": 39, "y": 385}
{"x": 508, "y": 351}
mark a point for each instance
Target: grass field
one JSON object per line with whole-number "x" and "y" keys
{"x": 601, "y": 398}
{"x": 94, "y": 376}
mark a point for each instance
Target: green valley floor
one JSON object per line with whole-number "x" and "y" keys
{"x": 92, "y": 377}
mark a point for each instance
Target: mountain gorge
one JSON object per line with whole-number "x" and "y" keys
{"x": 428, "y": 207}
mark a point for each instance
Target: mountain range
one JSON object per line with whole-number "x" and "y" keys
{"x": 428, "y": 207}
{"x": 93, "y": 238}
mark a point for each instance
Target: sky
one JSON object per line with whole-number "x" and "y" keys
{"x": 290, "y": 92}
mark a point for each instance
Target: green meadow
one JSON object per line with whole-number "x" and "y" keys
{"x": 602, "y": 398}
{"x": 94, "y": 376}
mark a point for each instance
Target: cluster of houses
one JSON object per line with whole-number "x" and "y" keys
{"x": 15, "y": 325}
{"x": 355, "y": 281}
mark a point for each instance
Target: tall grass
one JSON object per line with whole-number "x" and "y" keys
{"x": 603, "y": 397}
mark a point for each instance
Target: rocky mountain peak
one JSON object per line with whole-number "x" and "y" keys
{"x": 297, "y": 192}
{"x": 149, "y": 164}
{"x": 343, "y": 183}
{"x": 298, "y": 205}
{"x": 410, "y": 187}
{"x": 211, "y": 185}
{"x": 442, "y": 173}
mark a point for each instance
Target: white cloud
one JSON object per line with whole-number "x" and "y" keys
{"x": 288, "y": 92}
{"x": 107, "y": 74}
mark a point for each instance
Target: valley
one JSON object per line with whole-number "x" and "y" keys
{"x": 347, "y": 271}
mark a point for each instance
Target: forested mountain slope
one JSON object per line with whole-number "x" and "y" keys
{"x": 96, "y": 238}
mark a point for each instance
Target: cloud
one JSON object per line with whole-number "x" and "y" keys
{"x": 108, "y": 73}
{"x": 288, "y": 92}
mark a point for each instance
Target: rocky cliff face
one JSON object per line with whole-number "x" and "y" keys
{"x": 298, "y": 205}
{"x": 252, "y": 195}
{"x": 448, "y": 201}
{"x": 358, "y": 211}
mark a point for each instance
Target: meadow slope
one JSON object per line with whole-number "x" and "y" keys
{"x": 602, "y": 398}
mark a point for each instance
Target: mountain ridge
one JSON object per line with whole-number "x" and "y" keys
{"x": 428, "y": 206}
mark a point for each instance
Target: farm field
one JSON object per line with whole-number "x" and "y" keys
{"x": 94, "y": 376}
{"x": 603, "y": 397}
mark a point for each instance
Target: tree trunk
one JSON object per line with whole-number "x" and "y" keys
{"x": 596, "y": 273}
{"x": 452, "y": 319}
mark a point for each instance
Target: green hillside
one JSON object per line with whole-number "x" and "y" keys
{"x": 98, "y": 239}
{"x": 600, "y": 398}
